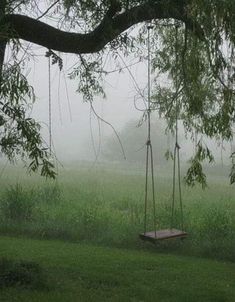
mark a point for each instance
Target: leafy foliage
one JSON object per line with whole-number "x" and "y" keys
{"x": 20, "y": 134}
{"x": 17, "y": 204}
{"x": 200, "y": 88}
{"x": 199, "y": 67}
{"x": 55, "y": 58}
{"x": 195, "y": 172}
{"x": 89, "y": 75}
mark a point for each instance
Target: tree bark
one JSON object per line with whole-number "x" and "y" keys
{"x": 112, "y": 25}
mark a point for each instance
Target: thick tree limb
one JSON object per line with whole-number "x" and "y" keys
{"x": 111, "y": 26}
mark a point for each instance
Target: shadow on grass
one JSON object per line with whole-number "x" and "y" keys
{"x": 25, "y": 274}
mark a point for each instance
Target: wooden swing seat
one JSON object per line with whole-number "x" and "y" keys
{"x": 163, "y": 234}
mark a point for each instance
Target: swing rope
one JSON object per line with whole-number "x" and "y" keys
{"x": 176, "y": 159}
{"x": 49, "y": 105}
{"x": 156, "y": 235}
{"x": 149, "y": 153}
{"x": 176, "y": 156}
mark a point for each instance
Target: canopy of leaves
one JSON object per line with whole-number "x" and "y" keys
{"x": 194, "y": 52}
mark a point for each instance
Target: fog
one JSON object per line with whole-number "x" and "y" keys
{"x": 77, "y": 134}
{"x": 73, "y": 123}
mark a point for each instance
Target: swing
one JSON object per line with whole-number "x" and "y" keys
{"x": 163, "y": 234}
{"x": 171, "y": 232}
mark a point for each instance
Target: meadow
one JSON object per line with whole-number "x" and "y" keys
{"x": 103, "y": 204}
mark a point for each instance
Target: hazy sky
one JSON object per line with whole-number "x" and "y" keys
{"x": 72, "y": 121}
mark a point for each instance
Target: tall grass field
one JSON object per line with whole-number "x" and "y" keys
{"x": 103, "y": 204}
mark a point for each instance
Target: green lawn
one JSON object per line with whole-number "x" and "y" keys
{"x": 79, "y": 272}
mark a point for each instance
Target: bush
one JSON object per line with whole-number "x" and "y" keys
{"x": 24, "y": 273}
{"x": 49, "y": 194}
{"x": 217, "y": 223}
{"x": 17, "y": 204}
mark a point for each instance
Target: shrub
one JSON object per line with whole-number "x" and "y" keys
{"x": 217, "y": 222}
{"x": 49, "y": 194}
{"x": 17, "y": 204}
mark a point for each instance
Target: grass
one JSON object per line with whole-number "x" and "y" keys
{"x": 104, "y": 205}
{"x": 80, "y": 272}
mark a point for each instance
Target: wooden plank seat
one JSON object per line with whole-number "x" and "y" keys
{"x": 163, "y": 234}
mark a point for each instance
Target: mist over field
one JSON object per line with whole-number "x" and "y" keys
{"x": 77, "y": 132}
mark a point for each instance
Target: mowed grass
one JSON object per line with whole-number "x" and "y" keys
{"x": 80, "y": 272}
{"x": 104, "y": 205}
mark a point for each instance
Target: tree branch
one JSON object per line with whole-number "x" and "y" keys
{"x": 49, "y": 8}
{"x": 112, "y": 25}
